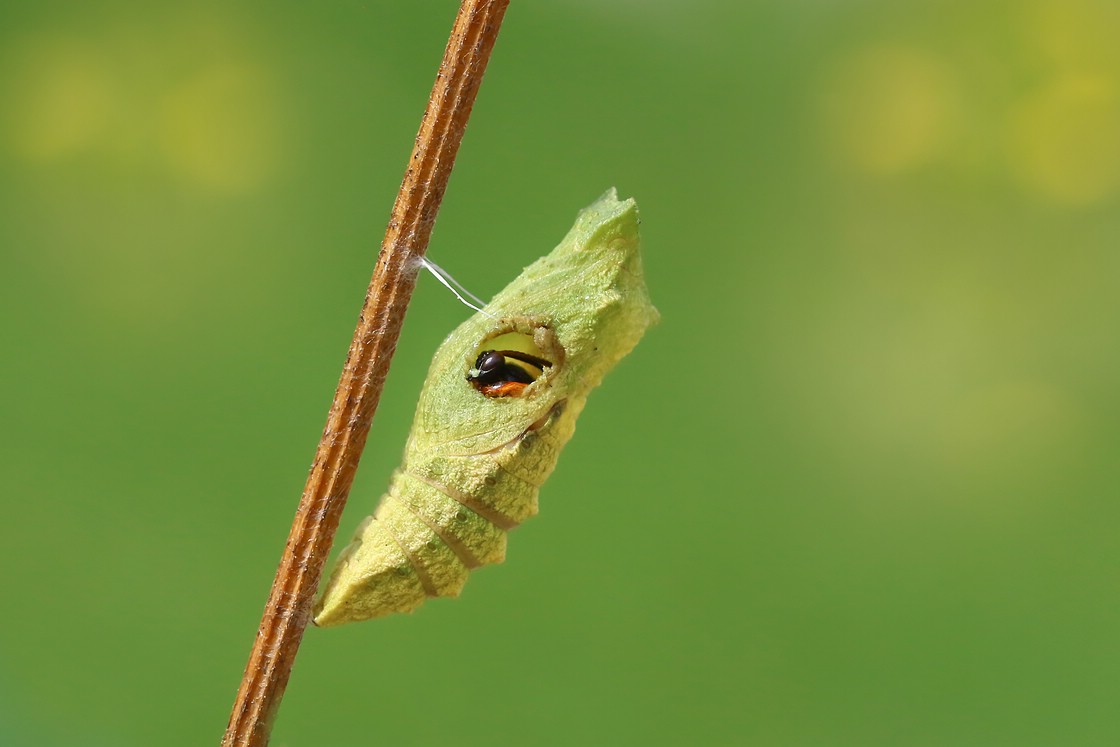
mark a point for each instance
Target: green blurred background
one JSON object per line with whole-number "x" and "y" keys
{"x": 858, "y": 488}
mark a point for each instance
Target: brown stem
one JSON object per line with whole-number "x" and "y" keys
{"x": 289, "y": 604}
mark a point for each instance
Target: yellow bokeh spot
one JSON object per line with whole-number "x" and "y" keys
{"x": 1065, "y": 141}
{"x": 1076, "y": 34}
{"x": 58, "y": 99}
{"x": 889, "y": 109}
{"x": 1011, "y": 428}
{"x": 221, "y": 128}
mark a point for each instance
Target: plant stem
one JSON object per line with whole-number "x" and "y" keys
{"x": 406, "y": 239}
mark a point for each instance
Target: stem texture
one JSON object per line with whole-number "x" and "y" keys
{"x": 406, "y": 239}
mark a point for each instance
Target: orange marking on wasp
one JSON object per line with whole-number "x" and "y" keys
{"x": 495, "y": 376}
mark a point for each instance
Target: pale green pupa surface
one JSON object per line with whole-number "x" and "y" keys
{"x": 475, "y": 462}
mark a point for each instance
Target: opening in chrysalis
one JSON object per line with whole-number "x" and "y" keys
{"x": 506, "y": 364}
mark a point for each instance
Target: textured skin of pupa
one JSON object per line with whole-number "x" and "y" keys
{"x": 474, "y": 463}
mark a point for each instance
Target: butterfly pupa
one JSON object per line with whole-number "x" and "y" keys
{"x": 500, "y": 401}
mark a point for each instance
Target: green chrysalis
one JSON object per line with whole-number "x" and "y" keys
{"x": 500, "y": 401}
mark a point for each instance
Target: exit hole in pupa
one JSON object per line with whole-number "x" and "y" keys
{"x": 510, "y": 361}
